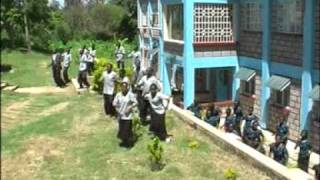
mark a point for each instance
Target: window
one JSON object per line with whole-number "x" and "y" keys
{"x": 155, "y": 13}
{"x": 249, "y": 87}
{"x": 250, "y": 16}
{"x": 282, "y": 97}
{"x": 144, "y": 12}
{"x": 174, "y": 19}
{"x": 287, "y": 16}
{"x": 213, "y": 23}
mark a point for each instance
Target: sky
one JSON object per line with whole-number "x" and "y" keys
{"x": 60, "y": 1}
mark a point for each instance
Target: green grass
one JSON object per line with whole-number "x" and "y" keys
{"x": 90, "y": 147}
{"x": 79, "y": 141}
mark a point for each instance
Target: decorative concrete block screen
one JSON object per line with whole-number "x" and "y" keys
{"x": 213, "y": 23}
{"x": 250, "y": 16}
{"x": 287, "y": 16}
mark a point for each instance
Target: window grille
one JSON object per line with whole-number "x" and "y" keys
{"x": 287, "y": 16}
{"x": 250, "y": 16}
{"x": 155, "y": 13}
{"x": 213, "y": 23}
{"x": 144, "y": 12}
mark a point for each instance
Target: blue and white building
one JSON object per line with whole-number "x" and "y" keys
{"x": 264, "y": 53}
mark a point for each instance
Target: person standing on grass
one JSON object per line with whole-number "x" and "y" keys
{"x": 109, "y": 78}
{"x": 124, "y": 102}
{"x": 83, "y": 71}
{"x": 66, "y": 64}
{"x": 119, "y": 53}
{"x": 57, "y": 69}
{"x": 279, "y": 151}
{"x": 53, "y": 66}
{"x": 90, "y": 59}
{"x": 158, "y": 112}
{"x": 136, "y": 62}
{"x": 304, "y": 152}
{"x": 145, "y": 83}
{"x": 237, "y": 111}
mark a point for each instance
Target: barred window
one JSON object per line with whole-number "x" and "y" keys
{"x": 287, "y": 16}
{"x": 155, "y": 13}
{"x": 250, "y": 16}
{"x": 143, "y": 12}
{"x": 213, "y": 23}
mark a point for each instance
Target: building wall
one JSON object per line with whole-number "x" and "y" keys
{"x": 250, "y": 44}
{"x": 248, "y": 101}
{"x": 287, "y": 48}
{"x": 276, "y": 111}
{"x": 317, "y": 37}
{"x": 315, "y": 126}
{"x": 173, "y": 48}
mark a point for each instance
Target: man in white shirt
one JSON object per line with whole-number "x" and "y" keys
{"x": 144, "y": 84}
{"x": 124, "y": 102}
{"x": 109, "y": 79}
{"x": 66, "y": 64}
{"x": 82, "y": 77}
{"x": 91, "y": 55}
{"x": 136, "y": 62}
{"x": 119, "y": 53}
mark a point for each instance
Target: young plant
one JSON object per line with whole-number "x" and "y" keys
{"x": 230, "y": 174}
{"x": 156, "y": 154}
{"x": 137, "y": 127}
{"x": 193, "y": 144}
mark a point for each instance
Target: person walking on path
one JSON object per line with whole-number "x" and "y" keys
{"x": 66, "y": 64}
{"x": 158, "y": 112}
{"x": 279, "y": 151}
{"x": 124, "y": 102}
{"x": 109, "y": 78}
{"x": 304, "y": 151}
{"x": 57, "y": 69}
{"x": 136, "y": 62}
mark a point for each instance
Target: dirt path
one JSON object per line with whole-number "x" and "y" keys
{"x": 46, "y": 90}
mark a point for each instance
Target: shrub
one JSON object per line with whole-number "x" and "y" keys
{"x": 230, "y": 174}
{"x": 137, "y": 127}
{"x": 193, "y": 144}
{"x": 156, "y": 154}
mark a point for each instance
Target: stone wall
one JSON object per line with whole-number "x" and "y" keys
{"x": 250, "y": 44}
{"x": 315, "y": 127}
{"x": 317, "y": 37}
{"x": 248, "y": 101}
{"x": 287, "y": 48}
{"x": 276, "y": 111}
{"x": 173, "y": 48}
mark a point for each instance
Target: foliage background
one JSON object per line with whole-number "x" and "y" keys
{"x": 51, "y": 26}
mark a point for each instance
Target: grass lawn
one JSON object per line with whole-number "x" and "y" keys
{"x": 77, "y": 141}
{"x": 57, "y": 136}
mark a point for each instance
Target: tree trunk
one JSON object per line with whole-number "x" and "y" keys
{"x": 26, "y": 29}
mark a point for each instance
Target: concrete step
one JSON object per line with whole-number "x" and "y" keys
{"x": 4, "y": 84}
{"x": 11, "y": 88}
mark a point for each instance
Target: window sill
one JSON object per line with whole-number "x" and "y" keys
{"x": 174, "y": 41}
{"x": 277, "y": 105}
{"x": 248, "y": 95}
{"x": 213, "y": 43}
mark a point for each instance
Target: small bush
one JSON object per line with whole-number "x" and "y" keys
{"x": 193, "y": 144}
{"x": 156, "y": 154}
{"x": 137, "y": 127}
{"x": 230, "y": 174}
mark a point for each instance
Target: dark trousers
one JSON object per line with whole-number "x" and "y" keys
{"x": 65, "y": 75}
{"x": 158, "y": 125}
{"x": 144, "y": 110}
{"x": 136, "y": 74}
{"x": 56, "y": 69}
{"x": 90, "y": 66}
{"x": 303, "y": 162}
{"x": 125, "y": 132}
{"x": 108, "y": 108}
{"x": 82, "y": 79}
{"x": 120, "y": 64}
